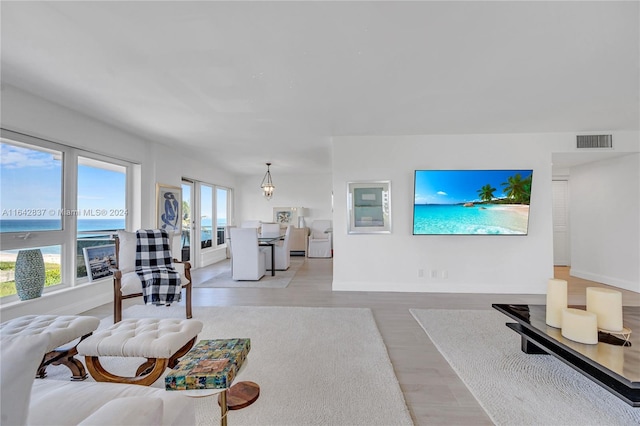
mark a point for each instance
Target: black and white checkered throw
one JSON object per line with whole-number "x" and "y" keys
{"x": 160, "y": 281}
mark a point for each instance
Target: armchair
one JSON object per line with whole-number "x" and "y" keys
{"x": 247, "y": 258}
{"x": 127, "y": 284}
{"x": 319, "y": 241}
{"x": 281, "y": 251}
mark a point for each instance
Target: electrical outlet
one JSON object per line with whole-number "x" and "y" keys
{"x": 445, "y": 274}
{"x": 434, "y": 273}
{"x": 420, "y": 273}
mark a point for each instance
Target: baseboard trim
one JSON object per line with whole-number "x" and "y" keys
{"x": 615, "y": 282}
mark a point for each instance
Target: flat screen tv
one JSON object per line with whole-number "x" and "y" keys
{"x": 471, "y": 202}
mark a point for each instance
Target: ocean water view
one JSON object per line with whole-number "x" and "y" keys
{"x": 28, "y": 225}
{"x": 85, "y": 226}
{"x": 481, "y": 219}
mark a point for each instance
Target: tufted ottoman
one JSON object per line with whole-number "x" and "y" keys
{"x": 64, "y": 330}
{"x": 161, "y": 341}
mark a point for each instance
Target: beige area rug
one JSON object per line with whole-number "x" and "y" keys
{"x": 315, "y": 366}
{"x": 515, "y": 388}
{"x": 280, "y": 280}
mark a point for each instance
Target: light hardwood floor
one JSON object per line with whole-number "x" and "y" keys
{"x": 432, "y": 390}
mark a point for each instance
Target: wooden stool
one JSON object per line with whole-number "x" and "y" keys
{"x": 161, "y": 341}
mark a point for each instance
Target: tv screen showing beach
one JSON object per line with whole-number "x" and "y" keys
{"x": 471, "y": 202}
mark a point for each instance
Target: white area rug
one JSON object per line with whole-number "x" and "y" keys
{"x": 515, "y": 388}
{"x": 280, "y": 280}
{"x": 315, "y": 366}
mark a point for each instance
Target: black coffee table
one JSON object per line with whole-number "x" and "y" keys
{"x": 611, "y": 363}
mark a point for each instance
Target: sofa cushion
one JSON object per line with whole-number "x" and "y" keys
{"x": 148, "y": 411}
{"x": 20, "y": 356}
{"x": 60, "y": 403}
{"x": 127, "y": 251}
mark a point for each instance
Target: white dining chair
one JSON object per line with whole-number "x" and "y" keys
{"x": 281, "y": 253}
{"x": 248, "y": 259}
{"x": 270, "y": 230}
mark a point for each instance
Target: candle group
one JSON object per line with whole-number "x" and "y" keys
{"x": 604, "y": 312}
{"x": 556, "y": 301}
{"x": 580, "y": 326}
{"x": 607, "y": 305}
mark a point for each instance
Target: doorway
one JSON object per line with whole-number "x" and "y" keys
{"x": 560, "y": 213}
{"x": 188, "y": 225}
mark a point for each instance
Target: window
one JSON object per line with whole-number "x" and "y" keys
{"x": 187, "y": 220}
{"x": 206, "y": 216}
{"x": 222, "y": 212}
{"x": 102, "y": 190}
{"x": 31, "y": 188}
{"x": 38, "y": 212}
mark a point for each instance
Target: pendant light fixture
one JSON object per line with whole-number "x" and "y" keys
{"x": 267, "y": 184}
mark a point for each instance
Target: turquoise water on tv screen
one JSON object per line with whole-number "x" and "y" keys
{"x": 457, "y": 219}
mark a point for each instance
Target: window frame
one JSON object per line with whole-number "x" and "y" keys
{"x": 66, "y": 237}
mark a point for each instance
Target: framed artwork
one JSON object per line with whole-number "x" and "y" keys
{"x": 369, "y": 207}
{"x": 98, "y": 260}
{"x": 169, "y": 208}
{"x": 285, "y": 215}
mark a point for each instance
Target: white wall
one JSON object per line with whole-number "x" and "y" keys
{"x": 171, "y": 167}
{"x": 605, "y": 221}
{"x": 26, "y": 113}
{"x": 474, "y": 264}
{"x": 310, "y": 191}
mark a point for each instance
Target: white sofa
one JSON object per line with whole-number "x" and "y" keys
{"x": 29, "y": 401}
{"x": 55, "y": 402}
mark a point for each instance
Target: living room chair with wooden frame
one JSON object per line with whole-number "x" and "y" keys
{"x": 127, "y": 284}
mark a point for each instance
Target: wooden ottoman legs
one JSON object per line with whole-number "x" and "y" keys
{"x": 62, "y": 356}
{"x": 146, "y": 374}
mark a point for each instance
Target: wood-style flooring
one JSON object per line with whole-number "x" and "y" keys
{"x": 432, "y": 390}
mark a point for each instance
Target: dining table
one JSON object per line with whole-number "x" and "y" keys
{"x": 271, "y": 241}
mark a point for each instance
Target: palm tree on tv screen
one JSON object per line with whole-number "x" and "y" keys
{"x": 518, "y": 189}
{"x": 486, "y": 192}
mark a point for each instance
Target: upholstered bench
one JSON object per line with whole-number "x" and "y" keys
{"x": 161, "y": 341}
{"x": 64, "y": 330}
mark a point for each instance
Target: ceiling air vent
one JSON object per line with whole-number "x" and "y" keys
{"x": 595, "y": 141}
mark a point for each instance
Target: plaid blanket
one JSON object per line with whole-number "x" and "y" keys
{"x": 160, "y": 281}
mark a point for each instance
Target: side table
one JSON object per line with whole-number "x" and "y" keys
{"x": 210, "y": 368}
{"x": 240, "y": 395}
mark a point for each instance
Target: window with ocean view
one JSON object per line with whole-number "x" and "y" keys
{"x": 222, "y": 208}
{"x": 31, "y": 188}
{"x": 38, "y": 214}
{"x": 31, "y": 200}
{"x": 206, "y": 216}
{"x": 205, "y": 209}
{"x": 102, "y": 194}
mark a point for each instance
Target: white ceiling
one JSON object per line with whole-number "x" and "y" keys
{"x": 249, "y": 82}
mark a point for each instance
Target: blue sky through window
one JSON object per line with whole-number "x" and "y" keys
{"x": 31, "y": 186}
{"x": 30, "y": 183}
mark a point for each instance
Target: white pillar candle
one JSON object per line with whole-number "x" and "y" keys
{"x": 556, "y": 301}
{"x": 580, "y": 326}
{"x": 607, "y": 305}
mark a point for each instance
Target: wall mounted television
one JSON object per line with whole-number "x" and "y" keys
{"x": 471, "y": 202}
